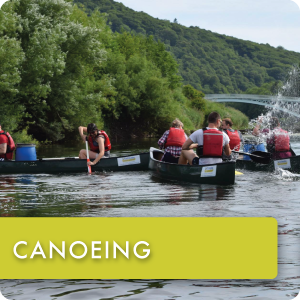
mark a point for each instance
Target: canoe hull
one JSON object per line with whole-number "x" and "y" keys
{"x": 137, "y": 162}
{"x": 223, "y": 173}
{"x": 291, "y": 164}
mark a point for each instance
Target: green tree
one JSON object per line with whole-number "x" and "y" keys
{"x": 196, "y": 97}
{"x": 11, "y": 58}
{"x": 61, "y": 47}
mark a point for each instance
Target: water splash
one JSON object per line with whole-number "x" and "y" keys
{"x": 290, "y": 88}
{"x": 286, "y": 175}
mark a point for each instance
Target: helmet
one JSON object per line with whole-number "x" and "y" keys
{"x": 91, "y": 127}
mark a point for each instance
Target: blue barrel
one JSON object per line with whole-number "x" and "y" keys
{"x": 25, "y": 152}
{"x": 251, "y": 147}
{"x": 261, "y": 147}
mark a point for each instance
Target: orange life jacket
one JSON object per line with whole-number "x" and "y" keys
{"x": 10, "y": 146}
{"x": 235, "y": 141}
{"x": 176, "y": 137}
{"x": 94, "y": 145}
{"x": 212, "y": 144}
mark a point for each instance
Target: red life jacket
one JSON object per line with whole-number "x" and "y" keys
{"x": 212, "y": 143}
{"x": 235, "y": 141}
{"x": 282, "y": 140}
{"x": 10, "y": 146}
{"x": 176, "y": 137}
{"x": 94, "y": 145}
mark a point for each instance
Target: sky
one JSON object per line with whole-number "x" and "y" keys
{"x": 276, "y": 22}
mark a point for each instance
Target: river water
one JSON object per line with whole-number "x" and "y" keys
{"x": 140, "y": 194}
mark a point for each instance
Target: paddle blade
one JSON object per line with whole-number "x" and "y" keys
{"x": 89, "y": 167}
{"x": 87, "y": 157}
{"x": 260, "y": 159}
{"x": 262, "y": 153}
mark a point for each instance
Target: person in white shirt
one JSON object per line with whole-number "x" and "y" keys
{"x": 210, "y": 144}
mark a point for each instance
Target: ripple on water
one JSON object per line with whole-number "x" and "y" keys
{"x": 139, "y": 194}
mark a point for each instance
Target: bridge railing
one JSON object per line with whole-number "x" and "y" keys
{"x": 264, "y": 98}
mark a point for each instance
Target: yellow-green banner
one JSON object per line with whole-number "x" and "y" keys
{"x": 132, "y": 248}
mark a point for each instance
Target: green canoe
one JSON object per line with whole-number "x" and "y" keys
{"x": 291, "y": 164}
{"x": 222, "y": 173}
{"x": 135, "y": 162}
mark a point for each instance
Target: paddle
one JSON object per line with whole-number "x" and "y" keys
{"x": 88, "y": 157}
{"x": 257, "y": 156}
{"x": 262, "y": 153}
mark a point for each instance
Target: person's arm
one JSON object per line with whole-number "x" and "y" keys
{"x": 3, "y": 148}
{"x": 227, "y": 150}
{"x": 226, "y": 147}
{"x": 256, "y": 130}
{"x": 195, "y": 145}
{"x": 82, "y": 129}
{"x": 100, "y": 141}
{"x": 161, "y": 142}
{"x": 189, "y": 144}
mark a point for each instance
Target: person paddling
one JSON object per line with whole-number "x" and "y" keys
{"x": 278, "y": 140}
{"x": 98, "y": 141}
{"x": 210, "y": 143}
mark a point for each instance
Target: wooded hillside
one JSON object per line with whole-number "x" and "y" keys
{"x": 210, "y": 62}
{"x": 61, "y": 69}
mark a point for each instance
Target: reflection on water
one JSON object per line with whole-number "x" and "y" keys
{"x": 140, "y": 194}
{"x": 147, "y": 289}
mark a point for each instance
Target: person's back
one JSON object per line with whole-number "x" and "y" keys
{"x": 278, "y": 143}
{"x": 210, "y": 145}
{"x": 209, "y": 142}
{"x": 278, "y": 140}
{"x": 172, "y": 141}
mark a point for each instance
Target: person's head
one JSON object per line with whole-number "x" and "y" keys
{"x": 274, "y": 123}
{"x": 215, "y": 118}
{"x": 227, "y": 123}
{"x": 92, "y": 129}
{"x": 177, "y": 124}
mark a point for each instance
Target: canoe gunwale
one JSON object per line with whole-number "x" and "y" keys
{"x": 190, "y": 166}
{"x": 224, "y": 175}
{"x": 73, "y": 165}
{"x": 72, "y": 159}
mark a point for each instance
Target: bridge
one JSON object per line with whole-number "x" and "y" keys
{"x": 286, "y": 104}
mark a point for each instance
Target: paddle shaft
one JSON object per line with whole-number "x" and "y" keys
{"x": 256, "y": 158}
{"x": 246, "y": 153}
{"x": 88, "y": 157}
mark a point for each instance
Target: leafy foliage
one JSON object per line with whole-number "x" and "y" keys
{"x": 196, "y": 97}
{"x": 61, "y": 68}
{"x": 60, "y": 55}
{"x": 11, "y": 59}
{"x": 210, "y": 62}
